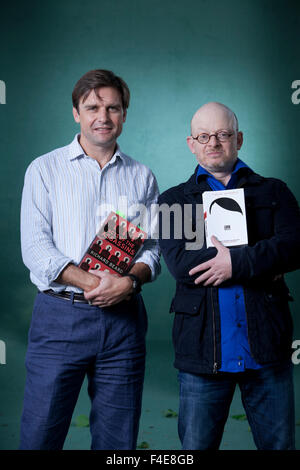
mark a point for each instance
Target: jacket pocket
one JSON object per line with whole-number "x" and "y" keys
{"x": 260, "y": 219}
{"x": 189, "y": 323}
{"x": 187, "y": 303}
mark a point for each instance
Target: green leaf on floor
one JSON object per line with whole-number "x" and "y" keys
{"x": 82, "y": 421}
{"x": 239, "y": 417}
{"x": 143, "y": 445}
{"x": 170, "y": 413}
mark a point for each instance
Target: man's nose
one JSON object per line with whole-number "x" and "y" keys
{"x": 213, "y": 141}
{"x": 103, "y": 114}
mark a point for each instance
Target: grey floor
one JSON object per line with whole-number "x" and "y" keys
{"x": 160, "y": 394}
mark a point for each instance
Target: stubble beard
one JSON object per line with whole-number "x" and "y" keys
{"x": 221, "y": 167}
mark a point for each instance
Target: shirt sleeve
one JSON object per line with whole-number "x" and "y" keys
{"x": 150, "y": 253}
{"x": 39, "y": 253}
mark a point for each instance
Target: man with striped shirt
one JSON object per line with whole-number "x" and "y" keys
{"x": 85, "y": 323}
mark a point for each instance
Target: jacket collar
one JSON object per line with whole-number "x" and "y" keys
{"x": 244, "y": 174}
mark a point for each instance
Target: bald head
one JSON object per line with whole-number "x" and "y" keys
{"x": 213, "y": 115}
{"x": 216, "y": 155}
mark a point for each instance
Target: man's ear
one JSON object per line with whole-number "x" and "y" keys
{"x": 191, "y": 143}
{"x": 240, "y": 140}
{"x": 124, "y": 115}
{"x": 76, "y": 115}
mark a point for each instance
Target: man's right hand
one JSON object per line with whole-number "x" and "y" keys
{"x": 216, "y": 270}
{"x": 74, "y": 276}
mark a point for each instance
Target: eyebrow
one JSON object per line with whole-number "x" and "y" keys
{"x": 90, "y": 105}
{"x": 96, "y": 105}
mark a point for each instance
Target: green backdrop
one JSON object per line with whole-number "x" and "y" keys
{"x": 175, "y": 55}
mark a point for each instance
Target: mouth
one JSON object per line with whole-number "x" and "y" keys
{"x": 214, "y": 154}
{"x": 102, "y": 129}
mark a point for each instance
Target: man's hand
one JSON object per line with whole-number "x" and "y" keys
{"x": 217, "y": 269}
{"x": 111, "y": 290}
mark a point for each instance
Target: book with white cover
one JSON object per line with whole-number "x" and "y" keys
{"x": 225, "y": 217}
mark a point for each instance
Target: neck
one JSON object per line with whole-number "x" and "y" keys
{"x": 101, "y": 154}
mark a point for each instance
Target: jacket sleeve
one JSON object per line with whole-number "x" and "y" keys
{"x": 278, "y": 254}
{"x": 181, "y": 253}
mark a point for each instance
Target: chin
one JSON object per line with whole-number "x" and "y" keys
{"x": 104, "y": 141}
{"x": 216, "y": 166}
{"x": 222, "y": 166}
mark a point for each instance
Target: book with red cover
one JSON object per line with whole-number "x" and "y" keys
{"x": 114, "y": 247}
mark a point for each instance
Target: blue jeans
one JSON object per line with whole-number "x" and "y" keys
{"x": 267, "y": 396}
{"x": 68, "y": 341}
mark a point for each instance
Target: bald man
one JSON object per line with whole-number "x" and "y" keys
{"x": 232, "y": 321}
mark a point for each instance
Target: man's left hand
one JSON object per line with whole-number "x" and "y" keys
{"x": 217, "y": 269}
{"x": 111, "y": 290}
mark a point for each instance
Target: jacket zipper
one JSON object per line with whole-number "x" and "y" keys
{"x": 215, "y": 368}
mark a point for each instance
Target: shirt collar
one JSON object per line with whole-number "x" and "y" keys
{"x": 76, "y": 151}
{"x": 203, "y": 172}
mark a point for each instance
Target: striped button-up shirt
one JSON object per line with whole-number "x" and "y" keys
{"x": 66, "y": 197}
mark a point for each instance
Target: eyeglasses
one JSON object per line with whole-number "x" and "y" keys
{"x": 222, "y": 136}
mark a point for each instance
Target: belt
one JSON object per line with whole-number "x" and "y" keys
{"x": 67, "y": 296}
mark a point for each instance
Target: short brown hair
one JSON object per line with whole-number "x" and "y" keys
{"x": 96, "y": 79}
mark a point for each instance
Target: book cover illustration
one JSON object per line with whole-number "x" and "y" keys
{"x": 225, "y": 217}
{"x": 114, "y": 247}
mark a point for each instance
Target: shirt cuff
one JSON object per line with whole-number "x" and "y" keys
{"x": 151, "y": 258}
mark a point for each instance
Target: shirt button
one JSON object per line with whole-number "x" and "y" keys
{"x": 237, "y": 296}
{"x": 239, "y": 325}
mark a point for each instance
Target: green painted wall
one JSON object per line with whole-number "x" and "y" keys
{"x": 175, "y": 55}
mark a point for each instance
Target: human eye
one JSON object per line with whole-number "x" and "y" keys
{"x": 223, "y": 135}
{"x": 203, "y": 137}
{"x": 92, "y": 108}
{"x": 114, "y": 108}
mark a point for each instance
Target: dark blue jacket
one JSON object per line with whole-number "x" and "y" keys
{"x": 273, "y": 222}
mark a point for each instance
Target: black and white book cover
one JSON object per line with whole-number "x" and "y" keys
{"x": 225, "y": 217}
